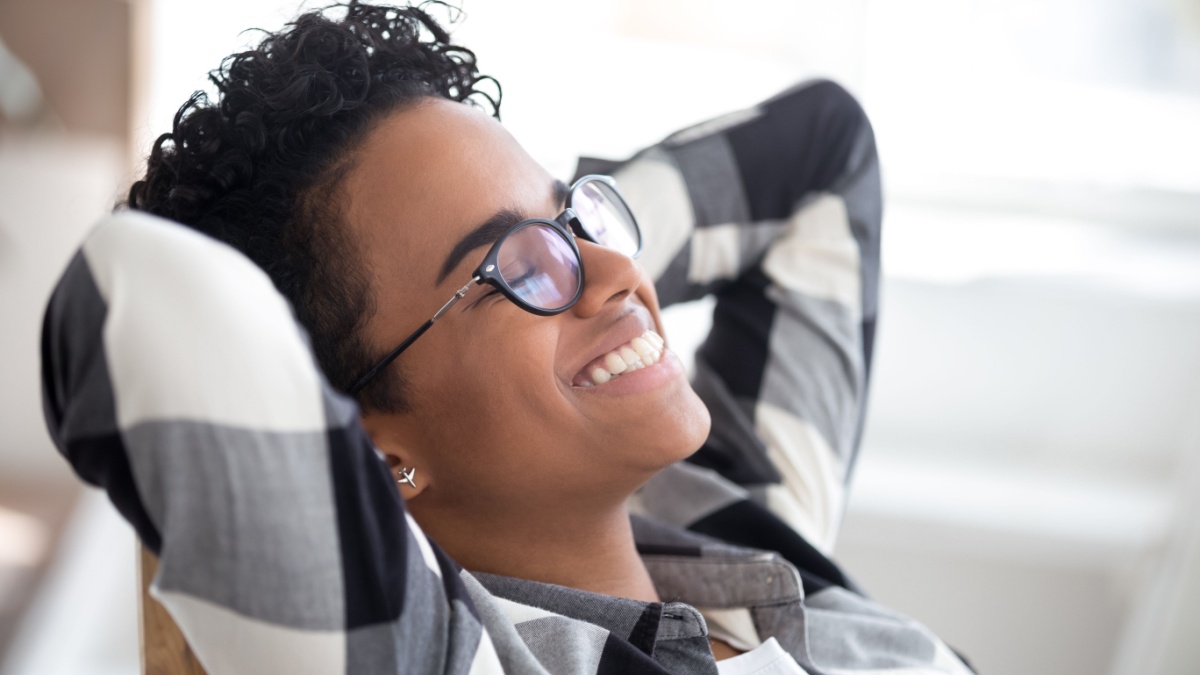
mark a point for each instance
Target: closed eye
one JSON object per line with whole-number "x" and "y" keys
{"x": 489, "y": 295}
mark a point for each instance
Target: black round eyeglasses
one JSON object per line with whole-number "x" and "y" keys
{"x": 536, "y": 264}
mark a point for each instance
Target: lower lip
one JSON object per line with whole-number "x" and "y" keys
{"x": 668, "y": 369}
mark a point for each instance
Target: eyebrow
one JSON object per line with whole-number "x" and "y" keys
{"x": 492, "y": 229}
{"x": 560, "y": 192}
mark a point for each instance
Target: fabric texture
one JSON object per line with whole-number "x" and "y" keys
{"x": 176, "y": 379}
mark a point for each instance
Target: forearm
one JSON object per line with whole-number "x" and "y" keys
{"x": 781, "y": 223}
{"x": 176, "y": 379}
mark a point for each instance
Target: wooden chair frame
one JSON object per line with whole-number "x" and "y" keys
{"x": 163, "y": 647}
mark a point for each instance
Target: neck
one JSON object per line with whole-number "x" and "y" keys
{"x": 592, "y": 551}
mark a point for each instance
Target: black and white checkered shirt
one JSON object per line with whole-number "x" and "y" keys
{"x": 176, "y": 379}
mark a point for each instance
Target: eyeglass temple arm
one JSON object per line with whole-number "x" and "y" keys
{"x": 387, "y": 360}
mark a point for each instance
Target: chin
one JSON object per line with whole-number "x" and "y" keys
{"x": 698, "y": 425}
{"x": 677, "y": 433}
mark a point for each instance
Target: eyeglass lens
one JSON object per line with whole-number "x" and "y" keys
{"x": 604, "y": 216}
{"x": 539, "y": 266}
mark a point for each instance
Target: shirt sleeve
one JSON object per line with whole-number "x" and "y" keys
{"x": 175, "y": 378}
{"x": 776, "y": 212}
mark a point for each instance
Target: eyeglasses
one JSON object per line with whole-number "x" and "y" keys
{"x": 537, "y": 265}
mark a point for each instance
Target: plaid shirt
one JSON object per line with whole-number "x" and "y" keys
{"x": 176, "y": 378}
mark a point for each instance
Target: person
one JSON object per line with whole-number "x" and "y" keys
{"x": 525, "y": 480}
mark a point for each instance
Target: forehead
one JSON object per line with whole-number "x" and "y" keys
{"x": 428, "y": 174}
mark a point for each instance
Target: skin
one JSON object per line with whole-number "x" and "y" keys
{"x": 518, "y": 472}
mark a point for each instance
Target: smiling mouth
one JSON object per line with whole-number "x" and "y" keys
{"x": 640, "y": 352}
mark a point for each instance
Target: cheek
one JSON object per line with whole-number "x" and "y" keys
{"x": 504, "y": 423}
{"x": 489, "y": 385}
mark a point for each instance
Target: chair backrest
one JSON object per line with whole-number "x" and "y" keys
{"x": 164, "y": 650}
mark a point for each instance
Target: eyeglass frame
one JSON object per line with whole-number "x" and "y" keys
{"x": 564, "y": 224}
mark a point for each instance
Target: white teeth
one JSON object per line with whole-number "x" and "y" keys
{"x": 631, "y": 358}
{"x": 641, "y": 352}
{"x": 654, "y": 342}
{"x": 642, "y": 347}
{"x": 615, "y": 364}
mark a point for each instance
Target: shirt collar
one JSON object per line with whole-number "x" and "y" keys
{"x": 688, "y": 570}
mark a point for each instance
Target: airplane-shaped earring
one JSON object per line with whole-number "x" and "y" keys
{"x": 406, "y": 476}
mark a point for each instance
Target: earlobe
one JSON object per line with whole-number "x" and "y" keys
{"x": 406, "y": 477}
{"x": 401, "y": 463}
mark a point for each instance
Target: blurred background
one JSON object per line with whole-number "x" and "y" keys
{"x": 1030, "y": 477}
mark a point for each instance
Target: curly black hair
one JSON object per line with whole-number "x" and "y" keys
{"x": 260, "y": 168}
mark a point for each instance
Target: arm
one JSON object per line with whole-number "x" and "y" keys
{"x": 776, "y": 211}
{"x": 175, "y": 378}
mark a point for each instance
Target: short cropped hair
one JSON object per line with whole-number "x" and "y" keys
{"x": 260, "y": 168}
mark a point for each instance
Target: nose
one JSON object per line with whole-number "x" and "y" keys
{"x": 608, "y": 276}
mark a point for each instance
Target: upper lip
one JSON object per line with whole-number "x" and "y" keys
{"x": 630, "y": 324}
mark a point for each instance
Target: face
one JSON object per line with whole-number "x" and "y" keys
{"x": 501, "y": 417}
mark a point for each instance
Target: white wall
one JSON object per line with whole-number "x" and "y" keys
{"x": 52, "y": 188}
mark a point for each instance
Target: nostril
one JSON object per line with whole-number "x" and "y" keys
{"x": 621, "y": 295}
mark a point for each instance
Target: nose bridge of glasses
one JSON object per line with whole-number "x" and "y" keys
{"x": 569, "y": 221}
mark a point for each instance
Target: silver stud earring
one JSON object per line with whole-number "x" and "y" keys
{"x": 406, "y": 477}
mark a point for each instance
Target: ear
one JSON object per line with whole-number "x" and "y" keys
{"x": 388, "y": 434}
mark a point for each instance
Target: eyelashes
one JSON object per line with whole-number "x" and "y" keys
{"x": 487, "y": 296}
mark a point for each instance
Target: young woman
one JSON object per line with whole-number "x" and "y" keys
{"x": 500, "y": 333}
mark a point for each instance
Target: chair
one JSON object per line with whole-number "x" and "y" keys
{"x": 164, "y": 649}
